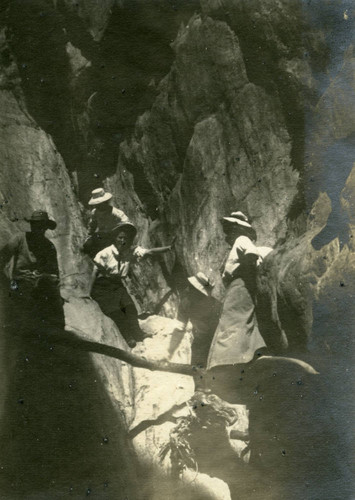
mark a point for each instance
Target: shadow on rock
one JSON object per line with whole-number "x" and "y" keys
{"x": 60, "y": 433}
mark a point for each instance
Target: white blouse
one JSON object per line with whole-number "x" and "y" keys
{"x": 243, "y": 246}
{"x": 109, "y": 262}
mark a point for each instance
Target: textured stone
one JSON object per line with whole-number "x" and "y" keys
{"x": 69, "y": 400}
{"x": 225, "y": 132}
{"x": 335, "y": 109}
{"x": 95, "y": 14}
{"x": 77, "y": 61}
{"x": 216, "y": 140}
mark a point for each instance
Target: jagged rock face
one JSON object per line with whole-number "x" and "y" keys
{"x": 34, "y": 177}
{"x": 48, "y": 421}
{"x": 63, "y": 405}
{"x": 192, "y": 141}
{"x": 223, "y": 131}
{"x": 217, "y": 140}
{"x": 299, "y": 279}
{"x": 127, "y": 52}
{"x": 306, "y": 286}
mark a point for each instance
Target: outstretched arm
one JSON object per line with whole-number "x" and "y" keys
{"x": 157, "y": 250}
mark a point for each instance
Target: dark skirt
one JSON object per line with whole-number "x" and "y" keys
{"x": 237, "y": 336}
{"x": 111, "y": 295}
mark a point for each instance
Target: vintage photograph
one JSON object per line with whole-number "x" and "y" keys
{"x": 177, "y": 263}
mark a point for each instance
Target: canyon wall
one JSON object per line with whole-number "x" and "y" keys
{"x": 185, "y": 112}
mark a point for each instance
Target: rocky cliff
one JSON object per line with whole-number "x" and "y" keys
{"x": 185, "y": 111}
{"x": 222, "y": 134}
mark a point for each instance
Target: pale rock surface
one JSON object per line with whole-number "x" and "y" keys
{"x": 216, "y": 140}
{"x": 77, "y": 61}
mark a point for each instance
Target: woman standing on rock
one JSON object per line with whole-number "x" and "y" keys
{"x": 237, "y": 337}
{"x": 110, "y": 276}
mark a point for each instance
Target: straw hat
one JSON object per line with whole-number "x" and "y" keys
{"x": 202, "y": 283}
{"x": 42, "y": 216}
{"x": 128, "y": 227}
{"x": 238, "y": 218}
{"x": 99, "y": 196}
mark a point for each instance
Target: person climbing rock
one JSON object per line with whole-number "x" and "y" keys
{"x": 237, "y": 338}
{"x": 29, "y": 262}
{"x": 104, "y": 217}
{"x": 202, "y": 310}
{"x": 110, "y": 276}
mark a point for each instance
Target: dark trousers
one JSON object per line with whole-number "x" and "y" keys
{"x": 116, "y": 303}
{"x": 34, "y": 303}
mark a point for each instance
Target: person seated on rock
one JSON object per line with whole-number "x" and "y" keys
{"x": 237, "y": 339}
{"x": 109, "y": 280}
{"x": 30, "y": 265}
{"x": 202, "y": 310}
{"x": 104, "y": 217}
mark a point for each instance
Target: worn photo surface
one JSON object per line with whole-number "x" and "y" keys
{"x": 177, "y": 262}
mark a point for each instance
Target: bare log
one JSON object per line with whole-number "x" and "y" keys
{"x": 71, "y": 339}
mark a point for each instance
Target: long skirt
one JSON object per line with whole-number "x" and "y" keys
{"x": 237, "y": 337}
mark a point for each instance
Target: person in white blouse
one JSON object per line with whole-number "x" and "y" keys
{"x": 237, "y": 338}
{"x": 109, "y": 289}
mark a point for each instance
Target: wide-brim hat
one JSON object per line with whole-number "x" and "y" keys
{"x": 238, "y": 218}
{"x": 99, "y": 196}
{"x": 127, "y": 227}
{"x": 42, "y": 216}
{"x": 202, "y": 283}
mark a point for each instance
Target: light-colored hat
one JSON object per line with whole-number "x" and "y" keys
{"x": 125, "y": 226}
{"x": 42, "y": 216}
{"x": 99, "y": 196}
{"x": 238, "y": 218}
{"x": 202, "y": 283}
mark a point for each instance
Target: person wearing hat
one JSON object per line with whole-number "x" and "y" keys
{"x": 103, "y": 218}
{"x": 111, "y": 279}
{"x": 199, "y": 307}
{"x": 237, "y": 338}
{"x": 30, "y": 266}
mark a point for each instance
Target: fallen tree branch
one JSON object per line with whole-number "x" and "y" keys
{"x": 67, "y": 338}
{"x": 71, "y": 339}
